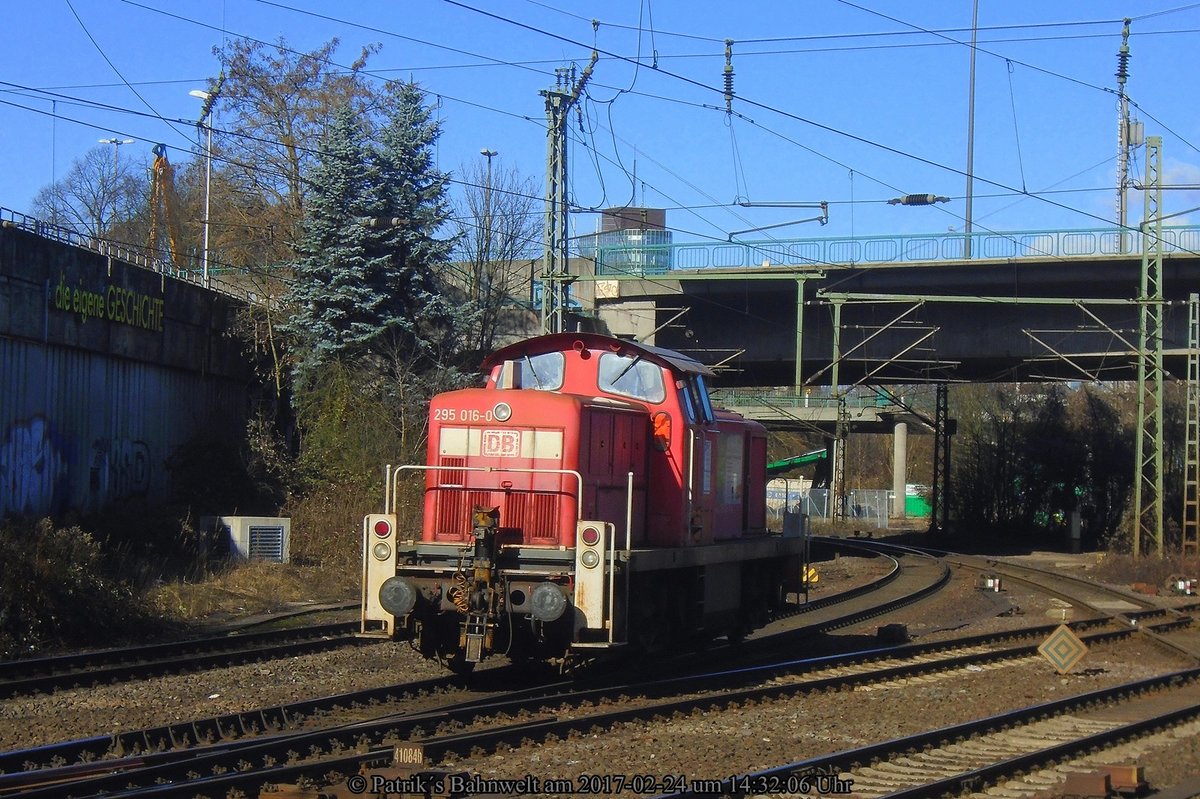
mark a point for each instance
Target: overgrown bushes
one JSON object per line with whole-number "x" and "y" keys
{"x": 56, "y": 588}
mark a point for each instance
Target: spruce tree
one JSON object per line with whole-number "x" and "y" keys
{"x": 366, "y": 284}
{"x": 336, "y": 294}
{"x": 422, "y": 324}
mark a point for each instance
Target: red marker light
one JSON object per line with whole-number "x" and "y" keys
{"x": 383, "y": 528}
{"x": 590, "y": 536}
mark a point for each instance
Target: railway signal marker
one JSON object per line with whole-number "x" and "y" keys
{"x": 1063, "y": 649}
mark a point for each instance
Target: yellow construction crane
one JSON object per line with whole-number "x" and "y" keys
{"x": 162, "y": 204}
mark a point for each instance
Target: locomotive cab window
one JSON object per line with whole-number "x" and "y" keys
{"x": 631, "y": 377}
{"x": 542, "y": 372}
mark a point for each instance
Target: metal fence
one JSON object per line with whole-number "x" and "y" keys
{"x": 141, "y": 257}
{"x": 646, "y": 259}
{"x": 814, "y": 397}
{"x": 868, "y": 507}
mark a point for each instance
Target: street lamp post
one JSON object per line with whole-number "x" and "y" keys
{"x": 487, "y": 219}
{"x": 116, "y": 144}
{"x": 205, "y": 117}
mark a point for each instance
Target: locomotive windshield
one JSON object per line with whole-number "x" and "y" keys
{"x": 543, "y": 372}
{"x": 631, "y": 377}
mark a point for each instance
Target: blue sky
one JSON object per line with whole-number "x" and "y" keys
{"x": 851, "y": 103}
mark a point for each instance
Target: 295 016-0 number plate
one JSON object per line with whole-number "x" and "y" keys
{"x": 462, "y": 415}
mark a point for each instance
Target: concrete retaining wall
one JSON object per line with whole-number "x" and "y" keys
{"x": 105, "y": 370}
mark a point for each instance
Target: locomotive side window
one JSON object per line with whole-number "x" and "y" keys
{"x": 631, "y": 377}
{"x": 705, "y": 402}
{"x": 694, "y": 395}
{"x": 543, "y": 372}
{"x": 685, "y": 400}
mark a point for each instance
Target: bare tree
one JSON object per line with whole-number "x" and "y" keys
{"x": 100, "y": 196}
{"x": 499, "y": 226}
{"x": 275, "y": 106}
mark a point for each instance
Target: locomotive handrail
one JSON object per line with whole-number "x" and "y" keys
{"x": 395, "y": 482}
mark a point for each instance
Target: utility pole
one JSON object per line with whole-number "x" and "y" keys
{"x": 1129, "y": 135}
{"x": 1148, "y": 473}
{"x": 486, "y": 255}
{"x": 971, "y": 135}
{"x": 837, "y": 472}
{"x": 556, "y": 282}
{"x": 1190, "y": 544}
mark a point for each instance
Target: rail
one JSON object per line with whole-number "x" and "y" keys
{"x": 641, "y": 259}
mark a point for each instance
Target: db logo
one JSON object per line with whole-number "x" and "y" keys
{"x": 501, "y": 443}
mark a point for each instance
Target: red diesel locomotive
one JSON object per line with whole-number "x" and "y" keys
{"x": 587, "y": 498}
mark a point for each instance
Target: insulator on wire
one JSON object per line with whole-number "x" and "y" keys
{"x": 729, "y": 76}
{"x": 1122, "y": 66}
{"x": 1122, "y": 73}
{"x": 918, "y": 199}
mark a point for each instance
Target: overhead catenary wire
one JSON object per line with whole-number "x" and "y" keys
{"x": 1020, "y": 192}
{"x": 565, "y": 39}
{"x": 1012, "y": 97}
{"x": 698, "y": 234}
{"x": 1015, "y": 192}
{"x": 714, "y": 204}
{"x": 790, "y": 115}
{"x": 109, "y": 61}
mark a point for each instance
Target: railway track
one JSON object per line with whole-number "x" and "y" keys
{"x": 437, "y": 719}
{"x": 896, "y": 588}
{"x": 465, "y": 726}
{"x": 1099, "y": 601}
{"x": 128, "y": 663}
{"x": 893, "y": 589}
{"x": 979, "y": 754}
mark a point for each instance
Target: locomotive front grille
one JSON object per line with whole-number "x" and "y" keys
{"x": 455, "y": 511}
{"x": 450, "y": 477}
{"x": 535, "y": 514}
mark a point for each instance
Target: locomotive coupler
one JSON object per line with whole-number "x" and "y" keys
{"x": 487, "y": 522}
{"x": 476, "y": 636}
{"x": 477, "y": 628}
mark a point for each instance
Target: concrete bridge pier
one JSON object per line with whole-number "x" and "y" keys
{"x": 899, "y": 469}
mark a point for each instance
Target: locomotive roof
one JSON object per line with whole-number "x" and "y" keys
{"x": 565, "y": 342}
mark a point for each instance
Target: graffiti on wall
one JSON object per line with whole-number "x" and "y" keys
{"x": 120, "y": 469}
{"x": 33, "y": 469}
